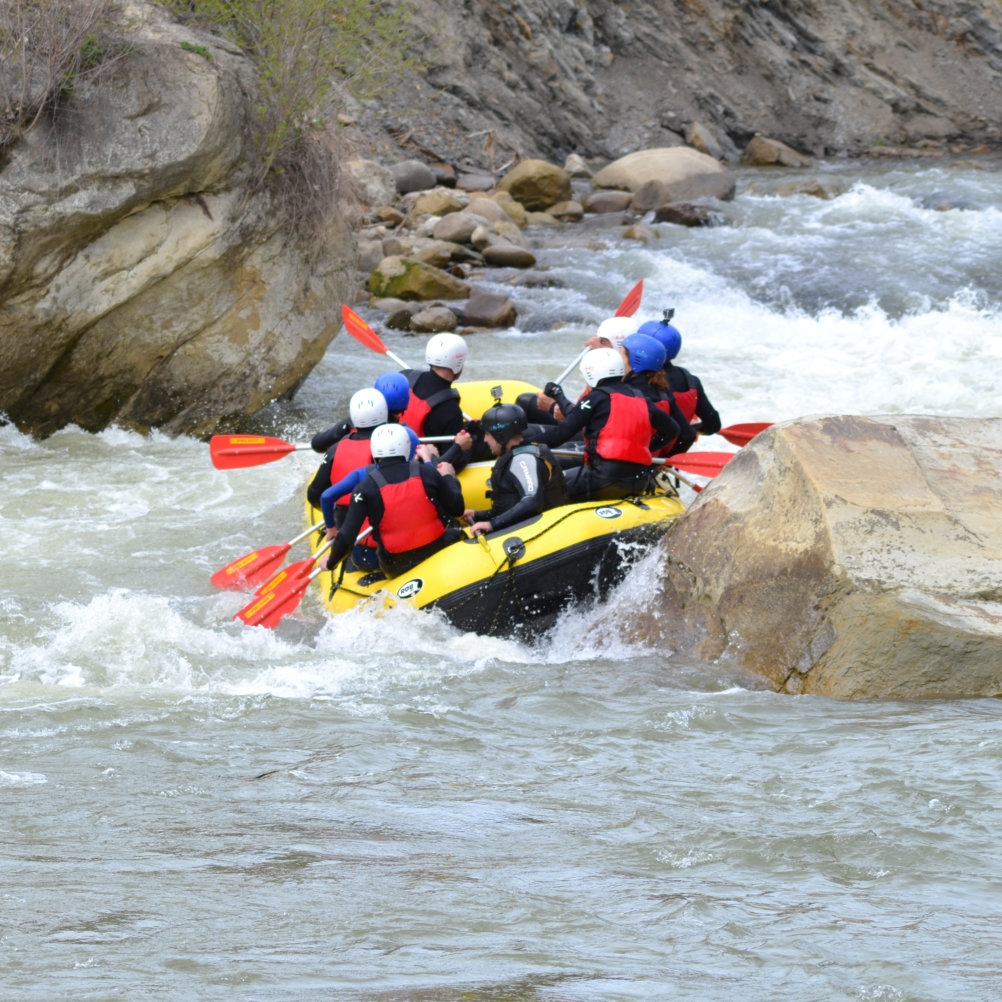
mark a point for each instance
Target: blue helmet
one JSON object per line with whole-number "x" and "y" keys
{"x": 395, "y": 388}
{"x": 665, "y": 334}
{"x": 646, "y": 353}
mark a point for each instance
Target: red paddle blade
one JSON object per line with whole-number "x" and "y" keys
{"x": 706, "y": 464}
{"x": 742, "y": 434}
{"x": 234, "y": 452}
{"x": 361, "y": 331}
{"x": 631, "y": 302}
{"x": 269, "y": 609}
{"x": 301, "y": 569}
{"x": 252, "y": 568}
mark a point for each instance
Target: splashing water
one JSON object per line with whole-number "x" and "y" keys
{"x": 382, "y": 805}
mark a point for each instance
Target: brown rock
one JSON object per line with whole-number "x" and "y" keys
{"x": 699, "y": 137}
{"x": 437, "y": 202}
{"x": 537, "y": 184}
{"x": 813, "y": 187}
{"x": 489, "y": 309}
{"x": 684, "y": 215}
{"x": 510, "y": 232}
{"x": 642, "y": 232}
{"x": 399, "y": 320}
{"x": 505, "y": 255}
{"x": 405, "y": 278}
{"x": 457, "y": 227}
{"x": 395, "y": 247}
{"x": 576, "y": 167}
{"x": 540, "y": 219}
{"x": 608, "y": 221}
{"x": 437, "y": 257}
{"x": 567, "y": 212}
{"x": 515, "y": 211}
{"x": 434, "y": 320}
{"x": 850, "y": 557}
{"x": 486, "y": 208}
{"x": 650, "y": 196}
{"x": 686, "y": 173}
{"x": 390, "y": 215}
{"x": 606, "y": 201}
{"x": 762, "y": 151}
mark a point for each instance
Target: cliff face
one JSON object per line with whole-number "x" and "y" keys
{"x": 603, "y": 79}
{"x": 142, "y": 280}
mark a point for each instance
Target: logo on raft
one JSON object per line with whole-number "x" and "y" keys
{"x": 608, "y": 512}
{"x": 410, "y": 588}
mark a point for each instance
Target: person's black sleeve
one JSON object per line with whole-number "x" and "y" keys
{"x": 556, "y": 392}
{"x": 528, "y": 472}
{"x": 686, "y": 432}
{"x": 358, "y": 512}
{"x": 566, "y": 430}
{"x": 457, "y": 457}
{"x": 323, "y": 440}
{"x": 445, "y": 490}
{"x": 445, "y": 419}
{"x": 320, "y": 482}
{"x": 664, "y": 424}
{"x": 705, "y": 411}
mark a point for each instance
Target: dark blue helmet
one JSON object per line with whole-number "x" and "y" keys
{"x": 665, "y": 334}
{"x": 646, "y": 353}
{"x": 395, "y": 388}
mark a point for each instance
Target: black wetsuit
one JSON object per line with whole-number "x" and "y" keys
{"x": 680, "y": 380}
{"x": 366, "y": 502}
{"x": 323, "y": 440}
{"x": 606, "y": 479}
{"x": 687, "y": 434}
{"x": 527, "y": 480}
{"x": 445, "y": 416}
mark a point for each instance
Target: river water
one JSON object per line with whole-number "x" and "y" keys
{"x": 385, "y": 808}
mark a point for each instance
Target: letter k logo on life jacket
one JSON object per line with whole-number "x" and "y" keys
{"x": 357, "y": 497}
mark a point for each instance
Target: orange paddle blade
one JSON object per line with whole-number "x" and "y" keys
{"x": 300, "y": 569}
{"x": 742, "y": 434}
{"x": 706, "y": 464}
{"x": 234, "y": 452}
{"x": 361, "y": 331}
{"x": 252, "y": 568}
{"x": 631, "y": 302}
{"x": 269, "y": 609}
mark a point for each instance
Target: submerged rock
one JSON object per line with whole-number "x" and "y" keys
{"x": 846, "y": 556}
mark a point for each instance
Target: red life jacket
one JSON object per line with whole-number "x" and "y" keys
{"x": 349, "y": 454}
{"x": 688, "y": 399}
{"x": 409, "y": 518}
{"x": 627, "y": 433}
{"x": 417, "y": 408}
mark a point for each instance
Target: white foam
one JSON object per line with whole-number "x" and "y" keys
{"x": 21, "y": 778}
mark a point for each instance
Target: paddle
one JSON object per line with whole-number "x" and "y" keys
{"x": 261, "y": 450}
{"x": 363, "y": 333}
{"x": 253, "y": 568}
{"x": 742, "y": 434}
{"x": 706, "y": 464}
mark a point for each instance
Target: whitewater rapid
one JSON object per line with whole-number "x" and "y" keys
{"x": 438, "y": 812}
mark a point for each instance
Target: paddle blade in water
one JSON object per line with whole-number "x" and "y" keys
{"x": 742, "y": 434}
{"x": 301, "y": 569}
{"x": 252, "y": 568}
{"x": 234, "y": 452}
{"x": 361, "y": 331}
{"x": 268, "y": 610}
{"x": 706, "y": 464}
{"x": 631, "y": 302}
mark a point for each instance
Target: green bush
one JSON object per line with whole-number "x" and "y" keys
{"x": 199, "y": 50}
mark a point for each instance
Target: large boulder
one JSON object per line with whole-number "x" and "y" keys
{"x": 412, "y": 175}
{"x": 685, "y": 173}
{"x": 537, "y": 184}
{"x": 489, "y": 309}
{"x": 374, "y": 184}
{"x": 145, "y": 278}
{"x": 405, "y": 278}
{"x": 846, "y": 556}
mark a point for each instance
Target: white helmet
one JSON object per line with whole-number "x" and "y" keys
{"x": 616, "y": 328}
{"x": 367, "y": 409}
{"x": 601, "y": 363}
{"x": 447, "y": 350}
{"x": 390, "y": 440}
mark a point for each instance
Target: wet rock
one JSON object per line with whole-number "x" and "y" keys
{"x": 483, "y": 236}
{"x": 514, "y": 210}
{"x": 537, "y": 184}
{"x": 372, "y": 182}
{"x": 370, "y": 253}
{"x": 389, "y": 215}
{"x": 489, "y": 309}
{"x": 944, "y": 201}
{"x": 567, "y": 212}
{"x": 699, "y": 137}
{"x": 650, "y": 196}
{"x": 396, "y": 247}
{"x": 849, "y": 557}
{"x": 457, "y": 227}
{"x": 434, "y": 320}
{"x": 606, "y": 201}
{"x": 405, "y": 278}
{"x": 437, "y": 202}
{"x": 466, "y": 255}
{"x": 412, "y": 175}
{"x": 505, "y": 255}
{"x": 686, "y": 173}
{"x": 608, "y": 221}
{"x": 537, "y": 280}
{"x": 475, "y": 182}
{"x": 437, "y": 257}
{"x": 762, "y": 152}
{"x": 813, "y": 187}
{"x": 642, "y": 232}
{"x": 399, "y": 320}
{"x": 540, "y": 219}
{"x": 487, "y": 208}
{"x": 390, "y": 305}
{"x": 684, "y": 214}
{"x": 576, "y": 167}
{"x": 510, "y": 232}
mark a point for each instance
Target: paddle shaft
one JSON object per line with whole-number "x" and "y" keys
{"x": 577, "y": 361}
